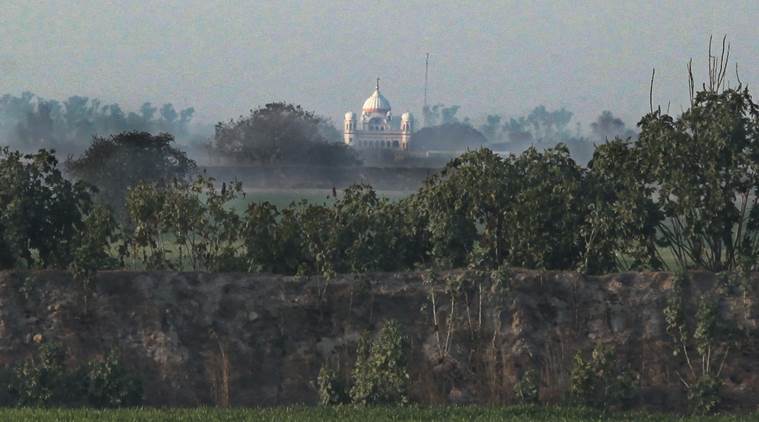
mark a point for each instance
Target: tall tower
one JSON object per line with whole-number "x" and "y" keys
{"x": 407, "y": 128}
{"x": 425, "y": 107}
{"x": 349, "y": 128}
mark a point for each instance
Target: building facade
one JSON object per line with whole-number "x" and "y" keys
{"x": 376, "y": 128}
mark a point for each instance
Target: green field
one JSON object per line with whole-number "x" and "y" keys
{"x": 284, "y": 197}
{"x": 293, "y": 414}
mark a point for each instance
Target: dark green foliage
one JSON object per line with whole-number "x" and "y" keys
{"x": 281, "y": 133}
{"x": 705, "y": 394}
{"x": 380, "y": 375}
{"x": 527, "y": 389}
{"x": 44, "y": 380}
{"x": 702, "y": 348}
{"x": 546, "y": 210}
{"x": 331, "y": 390}
{"x": 93, "y": 251}
{"x": 116, "y": 163}
{"x": 109, "y": 384}
{"x": 196, "y": 216}
{"x": 262, "y": 239}
{"x": 360, "y": 232}
{"x": 600, "y": 381}
{"x": 41, "y": 213}
{"x": 624, "y": 215}
{"x": 704, "y": 165}
{"x": 534, "y": 210}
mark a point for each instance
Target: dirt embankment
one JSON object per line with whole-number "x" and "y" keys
{"x": 263, "y": 338}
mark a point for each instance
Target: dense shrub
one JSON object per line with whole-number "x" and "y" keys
{"x": 380, "y": 375}
{"x": 600, "y": 381}
{"x": 41, "y": 213}
{"x": 45, "y": 380}
{"x": 527, "y": 389}
{"x": 331, "y": 390}
{"x": 109, "y": 383}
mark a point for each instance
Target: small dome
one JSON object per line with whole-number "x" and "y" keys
{"x": 350, "y": 116}
{"x": 376, "y": 103}
{"x": 407, "y": 116}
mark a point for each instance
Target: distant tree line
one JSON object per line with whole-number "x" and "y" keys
{"x": 31, "y": 122}
{"x": 683, "y": 194}
{"x": 541, "y": 128}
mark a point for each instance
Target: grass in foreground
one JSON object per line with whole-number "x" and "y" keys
{"x": 292, "y": 414}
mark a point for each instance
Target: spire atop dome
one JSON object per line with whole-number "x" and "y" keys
{"x": 376, "y": 103}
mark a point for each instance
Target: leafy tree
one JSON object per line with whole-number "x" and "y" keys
{"x": 40, "y": 211}
{"x": 367, "y": 233}
{"x": 546, "y": 210}
{"x": 704, "y": 166}
{"x": 118, "y": 162}
{"x": 196, "y": 216}
{"x": 281, "y": 133}
{"x": 92, "y": 251}
{"x": 624, "y": 216}
{"x": 470, "y": 192}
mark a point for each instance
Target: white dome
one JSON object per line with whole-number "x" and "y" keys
{"x": 376, "y": 103}
{"x": 407, "y": 116}
{"x": 350, "y": 116}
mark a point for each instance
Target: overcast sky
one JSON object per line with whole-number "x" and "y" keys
{"x": 226, "y": 57}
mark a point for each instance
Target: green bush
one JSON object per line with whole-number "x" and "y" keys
{"x": 527, "y": 389}
{"x": 331, "y": 389}
{"x": 109, "y": 384}
{"x": 380, "y": 375}
{"x": 44, "y": 380}
{"x": 600, "y": 382}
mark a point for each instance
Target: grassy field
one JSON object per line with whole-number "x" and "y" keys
{"x": 293, "y": 414}
{"x": 284, "y": 197}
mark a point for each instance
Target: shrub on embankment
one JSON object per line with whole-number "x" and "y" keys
{"x": 470, "y": 337}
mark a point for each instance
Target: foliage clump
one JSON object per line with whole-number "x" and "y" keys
{"x": 45, "y": 380}
{"x": 600, "y": 381}
{"x": 116, "y": 163}
{"x": 380, "y": 375}
{"x": 41, "y": 212}
{"x": 527, "y": 389}
{"x": 331, "y": 390}
{"x": 281, "y": 133}
{"x": 703, "y": 346}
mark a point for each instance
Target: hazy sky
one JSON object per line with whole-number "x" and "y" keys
{"x": 226, "y": 57}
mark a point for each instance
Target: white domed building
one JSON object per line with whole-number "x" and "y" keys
{"x": 376, "y": 128}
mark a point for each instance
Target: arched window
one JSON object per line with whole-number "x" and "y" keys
{"x": 395, "y": 144}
